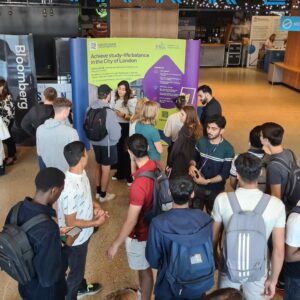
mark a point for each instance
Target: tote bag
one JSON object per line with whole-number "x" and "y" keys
{"x": 4, "y": 133}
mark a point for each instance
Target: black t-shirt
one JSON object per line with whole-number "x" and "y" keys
{"x": 213, "y": 107}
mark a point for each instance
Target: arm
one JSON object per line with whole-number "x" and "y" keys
{"x": 112, "y": 126}
{"x": 158, "y": 147}
{"x": 276, "y": 261}
{"x": 292, "y": 254}
{"x": 233, "y": 181}
{"x": 131, "y": 221}
{"x": 71, "y": 221}
{"x": 48, "y": 267}
{"x": 276, "y": 190}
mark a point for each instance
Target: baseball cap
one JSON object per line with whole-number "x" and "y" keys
{"x": 103, "y": 90}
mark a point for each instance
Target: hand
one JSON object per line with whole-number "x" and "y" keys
{"x": 270, "y": 289}
{"x": 192, "y": 170}
{"x": 101, "y": 218}
{"x": 63, "y": 230}
{"x": 120, "y": 114}
{"x": 112, "y": 251}
{"x": 98, "y": 212}
{"x": 71, "y": 239}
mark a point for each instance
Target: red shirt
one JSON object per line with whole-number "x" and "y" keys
{"x": 141, "y": 194}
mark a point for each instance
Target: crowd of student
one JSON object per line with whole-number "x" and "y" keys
{"x": 200, "y": 160}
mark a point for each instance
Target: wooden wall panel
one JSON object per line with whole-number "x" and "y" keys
{"x": 292, "y": 57}
{"x": 144, "y": 23}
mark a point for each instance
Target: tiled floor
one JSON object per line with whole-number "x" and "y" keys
{"x": 247, "y": 100}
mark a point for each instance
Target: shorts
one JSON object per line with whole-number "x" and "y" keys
{"x": 105, "y": 155}
{"x": 136, "y": 254}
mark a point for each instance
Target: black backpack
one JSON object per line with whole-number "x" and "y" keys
{"x": 291, "y": 194}
{"x": 94, "y": 124}
{"x": 16, "y": 253}
{"x": 162, "y": 200}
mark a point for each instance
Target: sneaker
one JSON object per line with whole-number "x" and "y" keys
{"x": 107, "y": 198}
{"x": 90, "y": 289}
{"x": 116, "y": 177}
{"x": 129, "y": 183}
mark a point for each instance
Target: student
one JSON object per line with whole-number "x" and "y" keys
{"x": 49, "y": 283}
{"x": 211, "y": 166}
{"x": 256, "y": 148}
{"x": 135, "y": 230}
{"x": 277, "y": 175}
{"x": 106, "y": 152}
{"x": 39, "y": 113}
{"x": 292, "y": 257}
{"x": 146, "y": 127}
{"x": 137, "y": 115}
{"x": 53, "y": 135}
{"x": 184, "y": 147}
{"x": 76, "y": 208}
{"x": 248, "y": 196}
{"x": 269, "y": 44}
{"x": 174, "y": 123}
{"x": 179, "y": 225}
{"x": 124, "y": 106}
{"x": 7, "y": 113}
{"x": 211, "y": 105}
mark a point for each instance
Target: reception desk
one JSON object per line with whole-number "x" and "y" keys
{"x": 212, "y": 55}
{"x": 272, "y": 56}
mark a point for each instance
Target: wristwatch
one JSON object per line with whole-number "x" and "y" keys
{"x": 208, "y": 181}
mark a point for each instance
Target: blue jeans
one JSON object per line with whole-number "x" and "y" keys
{"x": 291, "y": 288}
{"x": 76, "y": 261}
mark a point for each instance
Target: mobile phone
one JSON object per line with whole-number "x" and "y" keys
{"x": 74, "y": 231}
{"x": 197, "y": 174}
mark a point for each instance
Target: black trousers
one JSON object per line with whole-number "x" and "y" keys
{"x": 10, "y": 143}
{"x": 123, "y": 165}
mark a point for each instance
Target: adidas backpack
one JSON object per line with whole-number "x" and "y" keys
{"x": 95, "y": 124}
{"x": 190, "y": 271}
{"x": 245, "y": 243}
{"x": 16, "y": 253}
{"x": 291, "y": 194}
{"x": 162, "y": 200}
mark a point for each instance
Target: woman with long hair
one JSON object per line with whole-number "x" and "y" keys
{"x": 136, "y": 117}
{"x": 124, "y": 105}
{"x": 184, "y": 146}
{"x": 7, "y": 112}
{"x": 146, "y": 127}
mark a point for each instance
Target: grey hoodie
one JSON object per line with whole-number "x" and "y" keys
{"x": 112, "y": 126}
{"x": 51, "y": 138}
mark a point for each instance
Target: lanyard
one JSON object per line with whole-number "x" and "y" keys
{"x": 206, "y": 158}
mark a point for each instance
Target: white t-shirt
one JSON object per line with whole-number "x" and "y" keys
{"x": 274, "y": 214}
{"x": 118, "y": 104}
{"x": 172, "y": 127}
{"x": 76, "y": 198}
{"x": 292, "y": 230}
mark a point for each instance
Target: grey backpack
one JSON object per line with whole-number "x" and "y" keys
{"x": 245, "y": 244}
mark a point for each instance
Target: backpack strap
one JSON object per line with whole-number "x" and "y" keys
{"x": 14, "y": 214}
{"x": 147, "y": 174}
{"x": 296, "y": 209}
{"x": 34, "y": 221}
{"x": 234, "y": 203}
{"x": 262, "y": 204}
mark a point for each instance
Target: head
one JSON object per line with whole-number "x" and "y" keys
{"x": 272, "y": 37}
{"x": 104, "y": 92}
{"x": 189, "y": 118}
{"x": 271, "y": 134}
{"x": 4, "y": 91}
{"x": 179, "y": 102}
{"x": 62, "y": 107}
{"x": 182, "y": 189}
{"x": 50, "y": 182}
{"x": 50, "y": 94}
{"x": 138, "y": 109}
{"x": 204, "y": 94}
{"x": 224, "y": 294}
{"x": 76, "y": 155}
{"x": 254, "y": 137}
{"x": 123, "y": 92}
{"x": 215, "y": 126}
{"x": 137, "y": 147}
{"x": 248, "y": 168}
{"x": 150, "y": 112}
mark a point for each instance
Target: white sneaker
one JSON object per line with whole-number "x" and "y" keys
{"x": 107, "y": 198}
